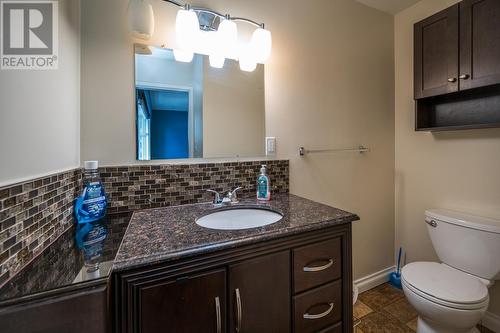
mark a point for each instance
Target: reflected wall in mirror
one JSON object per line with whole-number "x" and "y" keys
{"x": 191, "y": 110}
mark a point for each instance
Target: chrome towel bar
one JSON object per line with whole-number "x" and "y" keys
{"x": 361, "y": 149}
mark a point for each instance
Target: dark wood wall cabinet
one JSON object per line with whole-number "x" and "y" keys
{"x": 457, "y": 67}
{"x": 300, "y": 283}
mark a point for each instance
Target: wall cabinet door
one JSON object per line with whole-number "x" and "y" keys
{"x": 190, "y": 304}
{"x": 436, "y": 54}
{"x": 479, "y": 43}
{"x": 260, "y": 298}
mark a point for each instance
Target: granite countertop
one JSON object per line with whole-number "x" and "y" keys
{"x": 62, "y": 263}
{"x": 163, "y": 234}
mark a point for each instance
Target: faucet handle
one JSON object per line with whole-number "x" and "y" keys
{"x": 217, "y": 199}
{"x": 233, "y": 196}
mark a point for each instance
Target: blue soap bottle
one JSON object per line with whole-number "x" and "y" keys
{"x": 91, "y": 205}
{"x": 263, "y": 185}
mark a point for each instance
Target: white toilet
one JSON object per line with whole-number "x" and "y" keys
{"x": 452, "y": 296}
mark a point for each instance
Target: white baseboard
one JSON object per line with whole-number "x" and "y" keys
{"x": 491, "y": 321}
{"x": 371, "y": 281}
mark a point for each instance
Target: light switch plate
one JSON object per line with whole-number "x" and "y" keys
{"x": 270, "y": 146}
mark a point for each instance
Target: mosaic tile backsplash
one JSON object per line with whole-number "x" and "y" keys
{"x": 151, "y": 186}
{"x": 33, "y": 214}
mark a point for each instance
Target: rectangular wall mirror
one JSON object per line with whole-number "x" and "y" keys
{"x": 192, "y": 110}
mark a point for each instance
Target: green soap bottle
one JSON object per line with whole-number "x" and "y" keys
{"x": 263, "y": 185}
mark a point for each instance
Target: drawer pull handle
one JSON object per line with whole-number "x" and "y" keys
{"x": 319, "y": 268}
{"x": 217, "y": 315}
{"x": 319, "y": 315}
{"x": 238, "y": 310}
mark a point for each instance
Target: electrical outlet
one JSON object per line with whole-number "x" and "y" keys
{"x": 270, "y": 146}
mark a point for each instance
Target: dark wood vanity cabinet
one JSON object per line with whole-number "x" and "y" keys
{"x": 260, "y": 294}
{"x": 78, "y": 310}
{"x": 191, "y": 303}
{"x": 300, "y": 283}
{"x": 457, "y": 67}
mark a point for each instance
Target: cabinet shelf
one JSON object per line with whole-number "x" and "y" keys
{"x": 473, "y": 109}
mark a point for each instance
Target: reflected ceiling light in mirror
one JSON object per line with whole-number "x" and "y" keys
{"x": 141, "y": 19}
{"x": 210, "y": 44}
{"x": 247, "y": 59}
{"x": 216, "y": 61}
{"x": 261, "y": 44}
{"x": 183, "y": 56}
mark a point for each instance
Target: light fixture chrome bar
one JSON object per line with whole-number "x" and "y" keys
{"x": 206, "y": 10}
{"x": 178, "y": 4}
{"x": 242, "y": 19}
{"x": 361, "y": 149}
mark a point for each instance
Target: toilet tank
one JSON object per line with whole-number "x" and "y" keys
{"x": 466, "y": 242}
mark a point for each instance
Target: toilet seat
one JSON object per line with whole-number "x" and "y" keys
{"x": 444, "y": 285}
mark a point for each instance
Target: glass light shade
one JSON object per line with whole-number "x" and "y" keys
{"x": 247, "y": 62}
{"x": 141, "y": 19}
{"x": 261, "y": 44}
{"x": 187, "y": 29}
{"x": 207, "y": 43}
{"x": 227, "y": 36}
{"x": 216, "y": 61}
{"x": 183, "y": 56}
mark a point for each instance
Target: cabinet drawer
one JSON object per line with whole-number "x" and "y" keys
{"x": 319, "y": 308}
{"x": 317, "y": 264}
{"x": 333, "y": 329}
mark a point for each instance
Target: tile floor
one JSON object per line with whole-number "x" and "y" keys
{"x": 385, "y": 309}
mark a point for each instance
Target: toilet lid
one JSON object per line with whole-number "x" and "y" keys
{"x": 445, "y": 283}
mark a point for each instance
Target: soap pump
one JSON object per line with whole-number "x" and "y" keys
{"x": 263, "y": 185}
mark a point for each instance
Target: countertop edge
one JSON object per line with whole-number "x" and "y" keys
{"x": 121, "y": 266}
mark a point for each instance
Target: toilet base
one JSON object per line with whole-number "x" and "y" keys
{"x": 424, "y": 326}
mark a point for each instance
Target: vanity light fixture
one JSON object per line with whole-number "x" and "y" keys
{"x": 216, "y": 36}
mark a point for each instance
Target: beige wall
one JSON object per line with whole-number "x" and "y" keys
{"x": 40, "y": 110}
{"x": 455, "y": 170}
{"x": 329, "y": 83}
{"x": 233, "y": 111}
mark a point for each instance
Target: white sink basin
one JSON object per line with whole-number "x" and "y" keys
{"x": 239, "y": 218}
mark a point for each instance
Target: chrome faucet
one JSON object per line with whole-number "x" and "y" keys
{"x": 231, "y": 197}
{"x": 217, "y": 200}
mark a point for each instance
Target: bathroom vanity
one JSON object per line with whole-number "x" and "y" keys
{"x": 172, "y": 275}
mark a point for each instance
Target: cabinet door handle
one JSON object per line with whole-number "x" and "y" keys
{"x": 238, "y": 310}
{"x": 318, "y": 268}
{"x": 217, "y": 315}
{"x": 452, "y": 79}
{"x": 319, "y": 315}
{"x": 464, "y": 77}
